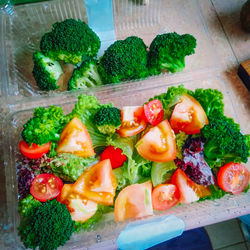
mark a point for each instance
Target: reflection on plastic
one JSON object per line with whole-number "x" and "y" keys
{"x": 100, "y": 19}
{"x": 144, "y": 234}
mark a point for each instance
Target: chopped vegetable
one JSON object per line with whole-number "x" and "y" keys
{"x": 108, "y": 120}
{"x": 70, "y": 41}
{"x": 34, "y": 151}
{"x": 75, "y": 139}
{"x": 133, "y": 202}
{"x": 161, "y": 172}
{"x": 168, "y": 52}
{"x": 68, "y": 166}
{"x": 194, "y": 164}
{"x": 26, "y": 205}
{"x": 165, "y": 196}
{"x": 46, "y": 187}
{"x": 158, "y": 144}
{"x": 224, "y": 142}
{"x": 124, "y": 60}
{"x": 115, "y": 156}
{"x": 189, "y": 191}
{"x": 48, "y": 226}
{"x": 85, "y": 76}
{"x": 81, "y": 209}
{"x": 45, "y": 125}
{"x": 132, "y": 121}
{"x": 188, "y": 116}
{"x": 97, "y": 183}
{"x": 153, "y": 112}
{"x": 233, "y": 178}
{"x": 46, "y": 71}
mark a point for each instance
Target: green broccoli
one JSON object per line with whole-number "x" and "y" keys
{"x": 48, "y": 226}
{"x": 168, "y": 51}
{"x": 107, "y": 120}
{"x": 46, "y": 71}
{"x": 70, "y": 41}
{"x": 85, "y": 76}
{"x": 26, "y": 205}
{"x": 44, "y": 126}
{"x": 224, "y": 141}
{"x": 124, "y": 60}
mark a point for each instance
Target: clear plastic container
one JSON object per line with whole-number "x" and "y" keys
{"x": 22, "y": 26}
{"x": 136, "y": 93}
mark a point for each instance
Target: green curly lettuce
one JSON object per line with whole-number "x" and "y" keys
{"x": 69, "y": 167}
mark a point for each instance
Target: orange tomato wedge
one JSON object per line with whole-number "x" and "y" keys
{"x": 75, "y": 139}
{"x": 97, "y": 183}
{"x": 134, "y": 201}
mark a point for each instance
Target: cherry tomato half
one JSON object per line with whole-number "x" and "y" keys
{"x": 34, "y": 151}
{"x": 46, "y": 187}
{"x": 165, "y": 196}
{"x": 233, "y": 178}
{"x": 154, "y": 112}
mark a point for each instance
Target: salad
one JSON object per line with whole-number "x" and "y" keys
{"x": 177, "y": 148}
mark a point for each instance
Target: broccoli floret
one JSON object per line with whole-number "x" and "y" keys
{"x": 107, "y": 120}
{"x": 224, "y": 141}
{"x": 124, "y": 60}
{"x": 85, "y": 76}
{"x": 48, "y": 226}
{"x": 44, "y": 126}
{"x": 46, "y": 71}
{"x": 26, "y": 205}
{"x": 168, "y": 51}
{"x": 70, "y": 41}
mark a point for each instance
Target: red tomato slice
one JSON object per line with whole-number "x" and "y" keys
{"x": 34, "y": 151}
{"x": 188, "y": 116}
{"x": 133, "y": 121}
{"x": 75, "y": 139}
{"x": 81, "y": 209}
{"x": 158, "y": 144}
{"x": 46, "y": 187}
{"x": 233, "y": 178}
{"x": 97, "y": 183}
{"x": 165, "y": 196}
{"x": 133, "y": 202}
{"x": 115, "y": 155}
{"x": 154, "y": 112}
{"x": 189, "y": 191}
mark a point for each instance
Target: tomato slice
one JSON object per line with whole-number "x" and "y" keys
{"x": 158, "y": 144}
{"x": 133, "y": 202}
{"x": 189, "y": 191}
{"x": 75, "y": 139}
{"x": 115, "y": 155}
{"x": 154, "y": 112}
{"x": 97, "y": 183}
{"x": 188, "y": 116}
{"x": 233, "y": 178}
{"x": 34, "y": 151}
{"x": 81, "y": 209}
{"x": 165, "y": 196}
{"x": 133, "y": 121}
{"x": 46, "y": 187}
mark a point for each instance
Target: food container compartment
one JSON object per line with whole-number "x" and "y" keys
{"x": 136, "y": 93}
{"x": 22, "y": 26}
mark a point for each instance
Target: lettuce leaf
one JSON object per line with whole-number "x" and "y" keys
{"x": 69, "y": 167}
